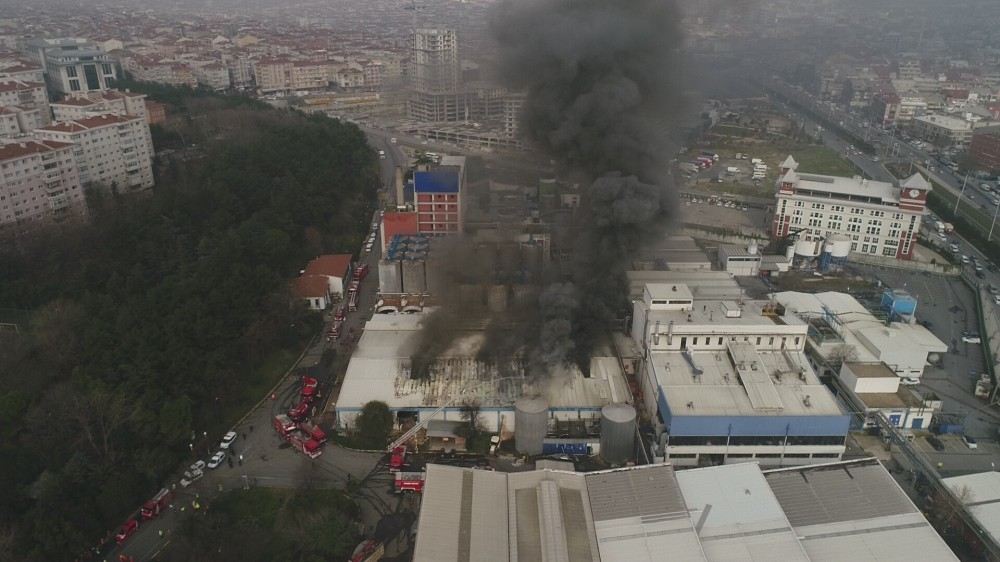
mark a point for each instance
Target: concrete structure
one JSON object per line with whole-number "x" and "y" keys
{"x": 74, "y": 65}
{"x": 437, "y": 194}
{"x": 39, "y": 181}
{"x": 718, "y": 285}
{"x": 111, "y": 150}
{"x": 435, "y": 73}
{"x": 985, "y": 149}
{"x": 313, "y": 289}
{"x": 943, "y": 130}
{"x": 843, "y": 511}
{"x": 26, "y": 96}
{"x": 335, "y": 268}
{"x": 380, "y": 369}
{"x": 673, "y": 253}
{"x": 114, "y": 102}
{"x": 730, "y": 382}
{"x": 841, "y": 329}
{"x": 740, "y": 260}
{"x": 874, "y": 389}
{"x": 881, "y": 219}
{"x": 17, "y": 69}
{"x": 213, "y": 75}
{"x": 531, "y": 417}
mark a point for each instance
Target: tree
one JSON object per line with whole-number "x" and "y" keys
{"x": 470, "y": 415}
{"x": 374, "y": 425}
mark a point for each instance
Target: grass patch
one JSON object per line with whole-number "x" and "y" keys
{"x": 822, "y": 160}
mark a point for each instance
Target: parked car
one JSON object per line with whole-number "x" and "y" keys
{"x": 227, "y": 440}
{"x": 971, "y": 337}
{"x": 970, "y": 442}
{"x": 909, "y": 381}
{"x": 198, "y": 465}
{"x": 216, "y": 459}
{"x": 935, "y": 442}
{"x": 191, "y": 478}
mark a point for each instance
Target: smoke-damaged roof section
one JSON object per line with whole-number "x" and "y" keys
{"x": 441, "y": 180}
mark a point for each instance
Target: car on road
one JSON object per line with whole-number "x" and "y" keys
{"x": 970, "y": 442}
{"x": 935, "y": 442}
{"x": 965, "y": 258}
{"x": 216, "y": 459}
{"x": 953, "y": 248}
{"x": 198, "y": 465}
{"x": 909, "y": 381}
{"x": 971, "y": 337}
{"x": 392, "y": 140}
{"x": 227, "y": 440}
{"x": 996, "y": 299}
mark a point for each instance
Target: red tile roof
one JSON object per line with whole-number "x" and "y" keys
{"x": 86, "y": 123}
{"x": 17, "y": 85}
{"x": 331, "y": 265}
{"x": 310, "y": 286}
{"x": 14, "y": 150}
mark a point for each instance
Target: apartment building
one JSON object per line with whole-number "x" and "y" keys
{"x": 74, "y": 64}
{"x": 438, "y": 197}
{"x": 730, "y": 381}
{"x": 880, "y": 219}
{"x": 114, "y": 151}
{"x": 147, "y": 69}
{"x": 16, "y": 69}
{"x": 16, "y": 121}
{"x": 214, "y": 76}
{"x": 80, "y": 106}
{"x": 28, "y": 95}
{"x": 985, "y": 148}
{"x": 39, "y": 181}
{"x": 284, "y": 75}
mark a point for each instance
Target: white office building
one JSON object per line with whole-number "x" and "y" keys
{"x": 879, "y": 218}
{"x": 38, "y": 181}
{"x": 111, "y": 150}
{"x": 74, "y": 64}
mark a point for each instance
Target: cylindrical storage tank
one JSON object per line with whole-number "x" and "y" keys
{"x": 414, "y": 281}
{"x": 531, "y": 422}
{"x": 617, "y": 433}
{"x": 390, "y": 277}
{"x": 840, "y": 246}
{"x": 790, "y": 251}
{"x": 752, "y": 248}
{"x": 806, "y": 248}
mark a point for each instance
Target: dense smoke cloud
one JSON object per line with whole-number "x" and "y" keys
{"x": 600, "y": 79}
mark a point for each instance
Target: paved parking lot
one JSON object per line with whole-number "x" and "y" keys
{"x": 701, "y": 211}
{"x": 947, "y": 305}
{"x": 957, "y": 458}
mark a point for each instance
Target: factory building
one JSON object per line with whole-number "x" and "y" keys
{"x": 730, "y": 382}
{"x": 874, "y": 389}
{"x": 879, "y": 218}
{"x": 380, "y": 369}
{"x": 842, "y": 329}
{"x": 841, "y": 511}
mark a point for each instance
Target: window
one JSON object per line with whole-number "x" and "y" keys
{"x": 889, "y": 251}
{"x": 71, "y": 71}
{"x": 74, "y": 85}
{"x": 107, "y": 69}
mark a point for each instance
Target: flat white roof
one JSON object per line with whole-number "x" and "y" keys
{"x": 707, "y": 383}
{"x": 857, "y": 186}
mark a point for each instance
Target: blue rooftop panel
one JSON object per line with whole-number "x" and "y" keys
{"x": 436, "y": 181}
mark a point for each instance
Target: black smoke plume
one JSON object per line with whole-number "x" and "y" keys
{"x": 601, "y": 84}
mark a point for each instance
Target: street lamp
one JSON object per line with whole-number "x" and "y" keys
{"x": 960, "y": 193}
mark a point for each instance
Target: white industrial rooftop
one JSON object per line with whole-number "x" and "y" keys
{"x": 842, "y": 511}
{"x": 746, "y": 383}
{"x": 379, "y": 370}
{"x": 871, "y": 339}
{"x": 980, "y": 493}
{"x": 855, "y": 186}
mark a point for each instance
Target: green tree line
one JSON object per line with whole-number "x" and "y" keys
{"x": 158, "y": 319}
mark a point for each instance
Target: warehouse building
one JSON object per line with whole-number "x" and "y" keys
{"x": 729, "y": 382}
{"x": 842, "y": 511}
{"x": 874, "y": 389}
{"x": 380, "y": 369}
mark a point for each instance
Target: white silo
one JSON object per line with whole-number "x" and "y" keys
{"x": 617, "y": 433}
{"x": 531, "y": 423}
